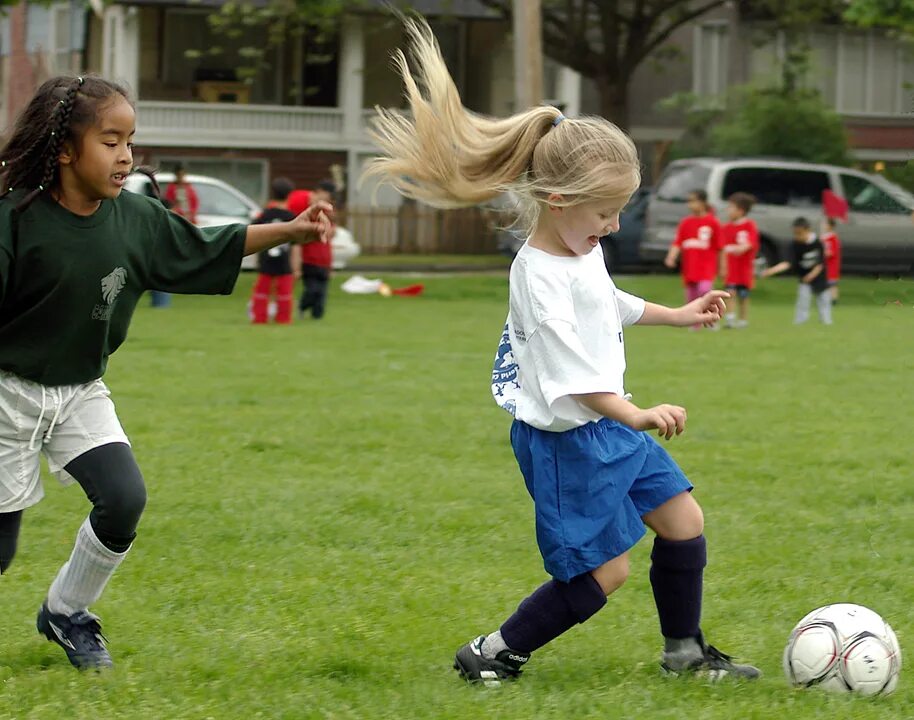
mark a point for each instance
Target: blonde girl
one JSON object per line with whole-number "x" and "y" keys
{"x": 595, "y": 475}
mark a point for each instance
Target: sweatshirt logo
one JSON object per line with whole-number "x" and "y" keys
{"x": 112, "y": 284}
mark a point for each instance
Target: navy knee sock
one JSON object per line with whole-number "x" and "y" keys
{"x": 553, "y": 608}
{"x": 676, "y": 578}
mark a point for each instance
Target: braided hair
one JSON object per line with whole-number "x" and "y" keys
{"x": 60, "y": 111}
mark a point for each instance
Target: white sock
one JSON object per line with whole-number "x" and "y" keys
{"x": 730, "y": 317}
{"x": 83, "y": 577}
{"x": 492, "y": 645}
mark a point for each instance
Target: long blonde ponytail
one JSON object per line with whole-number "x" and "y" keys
{"x": 444, "y": 155}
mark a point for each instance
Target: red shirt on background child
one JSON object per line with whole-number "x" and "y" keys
{"x": 698, "y": 238}
{"x": 312, "y": 253}
{"x": 741, "y": 266}
{"x": 832, "y": 256}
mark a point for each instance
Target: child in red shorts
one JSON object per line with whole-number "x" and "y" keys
{"x": 740, "y": 247}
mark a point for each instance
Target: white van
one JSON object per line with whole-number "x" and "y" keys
{"x": 878, "y": 237}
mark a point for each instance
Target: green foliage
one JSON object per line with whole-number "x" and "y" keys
{"x": 796, "y": 125}
{"x": 895, "y": 14}
{"x": 763, "y": 121}
{"x": 334, "y": 507}
{"x": 902, "y": 175}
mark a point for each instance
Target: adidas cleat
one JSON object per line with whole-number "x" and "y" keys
{"x": 475, "y": 668}
{"x": 707, "y": 661}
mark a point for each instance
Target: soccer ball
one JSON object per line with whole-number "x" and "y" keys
{"x": 843, "y": 648}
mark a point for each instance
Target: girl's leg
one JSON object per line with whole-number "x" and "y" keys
{"x": 555, "y": 607}
{"x": 9, "y": 537}
{"x": 677, "y": 567}
{"x": 551, "y": 610}
{"x": 113, "y": 483}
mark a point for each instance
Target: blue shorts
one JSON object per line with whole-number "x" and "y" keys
{"x": 591, "y": 486}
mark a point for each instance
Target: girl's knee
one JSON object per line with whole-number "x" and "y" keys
{"x": 613, "y": 574}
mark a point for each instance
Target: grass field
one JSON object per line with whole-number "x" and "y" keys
{"x": 334, "y": 509}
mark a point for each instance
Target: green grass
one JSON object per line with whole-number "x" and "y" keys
{"x": 334, "y": 508}
{"x": 432, "y": 261}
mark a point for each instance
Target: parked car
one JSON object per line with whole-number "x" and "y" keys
{"x": 878, "y": 237}
{"x": 622, "y": 249}
{"x": 222, "y": 204}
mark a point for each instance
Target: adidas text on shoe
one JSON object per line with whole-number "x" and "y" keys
{"x": 80, "y": 635}
{"x": 475, "y": 668}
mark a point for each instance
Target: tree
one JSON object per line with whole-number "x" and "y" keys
{"x": 280, "y": 21}
{"x": 608, "y": 40}
{"x": 895, "y": 14}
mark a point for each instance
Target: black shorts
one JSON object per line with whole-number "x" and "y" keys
{"x": 832, "y": 283}
{"x": 742, "y": 291}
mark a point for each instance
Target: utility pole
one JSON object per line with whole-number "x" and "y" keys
{"x": 528, "y": 54}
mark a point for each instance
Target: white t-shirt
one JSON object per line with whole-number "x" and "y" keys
{"x": 563, "y": 337}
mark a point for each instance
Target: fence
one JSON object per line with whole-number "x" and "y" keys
{"x": 422, "y": 230}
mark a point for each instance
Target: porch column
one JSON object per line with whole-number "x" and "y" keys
{"x": 568, "y": 90}
{"x": 351, "y": 94}
{"x": 121, "y": 45}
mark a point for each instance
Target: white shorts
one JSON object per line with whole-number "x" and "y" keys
{"x": 64, "y": 422}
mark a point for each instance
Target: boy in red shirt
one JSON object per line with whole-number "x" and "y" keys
{"x": 697, "y": 243}
{"x": 832, "y": 257}
{"x": 316, "y": 257}
{"x": 740, "y": 246}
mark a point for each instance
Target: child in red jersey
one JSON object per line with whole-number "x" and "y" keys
{"x": 740, "y": 246}
{"x": 316, "y": 257}
{"x": 832, "y": 257}
{"x": 696, "y": 246}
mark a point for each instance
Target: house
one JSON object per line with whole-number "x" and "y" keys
{"x": 305, "y": 114}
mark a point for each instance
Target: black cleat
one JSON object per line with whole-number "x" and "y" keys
{"x": 474, "y": 668}
{"x": 80, "y": 635}
{"x": 707, "y": 661}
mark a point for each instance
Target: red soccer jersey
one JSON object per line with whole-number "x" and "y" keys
{"x": 316, "y": 252}
{"x": 832, "y": 256}
{"x": 698, "y": 237}
{"x": 741, "y": 267}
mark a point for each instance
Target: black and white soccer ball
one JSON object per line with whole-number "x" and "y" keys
{"x": 843, "y": 648}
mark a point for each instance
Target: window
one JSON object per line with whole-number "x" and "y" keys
{"x": 863, "y": 196}
{"x": 711, "y": 59}
{"x": 778, "y": 186}
{"x": 680, "y": 179}
{"x": 215, "y": 200}
{"x": 59, "y": 39}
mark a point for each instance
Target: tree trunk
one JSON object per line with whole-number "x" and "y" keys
{"x": 614, "y": 100}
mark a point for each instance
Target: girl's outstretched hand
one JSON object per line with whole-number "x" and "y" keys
{"x": 706, "y": 310}
{"x": 315, "y": 219}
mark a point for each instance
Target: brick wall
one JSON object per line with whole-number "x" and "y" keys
{"x": 305, "y": 168}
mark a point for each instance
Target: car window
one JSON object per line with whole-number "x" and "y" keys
{"x": 778, "y": 186}
{"x": 863, "y": 196}
{"x": 680, "y": 179}
{"x": 215, "y": 200}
